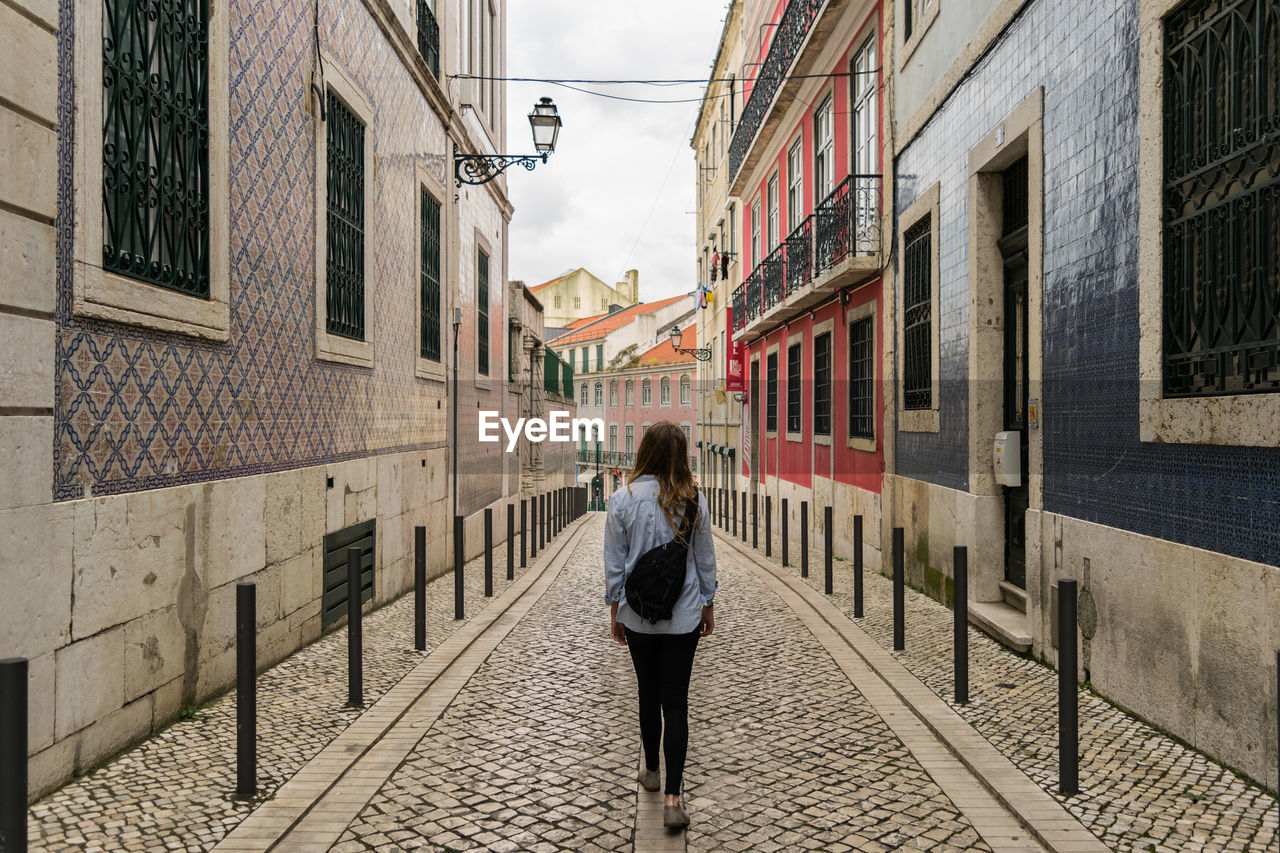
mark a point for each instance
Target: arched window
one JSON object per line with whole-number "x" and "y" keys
{"x": 599, "y": 394}
{"x": 664, "y": 391}
{"x": 582, "y": 395}
{"x": 631, "y": 392}
{"x": 686, "y": 390}
{"x": 613, "y": 393}
{"x": 646, "y": 392}
{"x": 631, "y": 435}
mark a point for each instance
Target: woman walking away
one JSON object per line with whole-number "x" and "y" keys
{"x": 660, "y": 579}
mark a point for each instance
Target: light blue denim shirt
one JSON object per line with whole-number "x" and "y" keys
{"x": 635, "y": 524}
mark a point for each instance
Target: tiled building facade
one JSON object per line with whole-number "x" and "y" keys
{"x": 247, "y": 340}
{"x": 1052, "y": 275}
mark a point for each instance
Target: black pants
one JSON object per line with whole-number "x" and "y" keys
{"x": 663, "y": 663}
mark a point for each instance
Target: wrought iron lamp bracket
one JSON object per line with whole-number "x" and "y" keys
{"x": 700, "y": 354}
{"x": 483, "y": 168}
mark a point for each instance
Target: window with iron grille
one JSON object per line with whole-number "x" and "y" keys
{"x": 344, "y": 267}
{"x": 822, "y": 384}
{"x": 1221, "y": 275}
{"x": 155, "y": 169}
{"x": 771, "y": 393}
{"x": 861, "y": 379}
{"x": 917, "y": 333}
{"x": 429, "y": 36}
{"x": 482, "y": 313}
{"x": 794, "y": 395}
{"x": 430, "y": 272}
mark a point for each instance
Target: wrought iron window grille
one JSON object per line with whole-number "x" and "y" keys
{"x": 482, "y": 314}
{"x": 155, "y": 148}
{"x": 917, "y": 331}
{"x": 430, "y": 237}
{"x": 429, "y": 37}
{"x": 344, "y": 260}
{"x": 771, "y": 393}
{"x": 861, "y": 379}
{"x": 822, "y": 384}
{"x": 795, "y": 394}
{"x": 1221, "y": 199}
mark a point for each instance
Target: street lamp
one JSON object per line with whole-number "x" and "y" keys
{"x": 677, "y": 337}
{"x": 545, "y": 123}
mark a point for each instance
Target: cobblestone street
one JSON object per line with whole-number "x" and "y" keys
{"x": 518, "y": 732}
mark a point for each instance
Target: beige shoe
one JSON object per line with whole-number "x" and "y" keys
{"x": 648, "y": 779}
{"x": 673, "y": 817}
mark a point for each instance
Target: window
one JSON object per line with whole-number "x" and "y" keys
{"x": 644, "y": 427}
{"x": 664, "y": 391}
{"x": 688, "y": 433}
{"x": 755, "y": 233}
{"x": 686, "y": 390}
{"x": 599, "y": 395}
{"x": 733, "y": 228}
{"x": 823, "y": 154}
{"x": 631, "y": 393}
{"x": 599, "y": 356}
{"x": 513, "y": 350}
{"x": 646, "y": 393}
{"x": 613, "y": 393}
{"x": 771, "y": 393}
{"x": 586, "y": 359}
{"x": 557, "y": 301}
{"x": 917, "y": 302}
{"x": 821, "y": 384}
{"x": 773, "y": 211}
{"x": 155, "y": 169}
{"x": 429, "y": 35}
{"x": 344, "y": 235}
{"x": 866, "y": 110}
{"x": 572, "y": 353}
{"x": 582, "y": 394}
{"x": 613, "y": 438}
{"x": 794, "y": 395}
{"x": 429, "y": 347}
{"x": 577, "y": 302}
{"x": 482, "y": 312}
{"x": 631, "y": 438}
{"x": 1221, "y": 277}
{"x": 795, "y": 184}
{"x": 733, "y": 104}
{"x": 861, "y": 379}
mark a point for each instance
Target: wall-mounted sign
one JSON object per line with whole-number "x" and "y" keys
{"x": 735, "y": 360}
{"x": 1033, "y": 413}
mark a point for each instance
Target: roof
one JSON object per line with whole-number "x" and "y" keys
{"x": 664, "y": 353}
{"x": 601, "y": 326}
{"x": 577, "y": 324}
{"x": 561, "y": 277}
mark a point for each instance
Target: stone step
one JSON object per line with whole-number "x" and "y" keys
{"x": 1007, "y": 624}
{"x": 1014, "y": 596}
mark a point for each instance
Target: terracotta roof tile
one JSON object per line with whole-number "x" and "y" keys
{"x": 607, "y": 323}
{"x": 664, "y": 353}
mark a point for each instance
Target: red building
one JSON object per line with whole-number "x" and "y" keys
{"x": 805, "y": 165}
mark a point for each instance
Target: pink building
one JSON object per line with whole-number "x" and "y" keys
{"x": 658, "y": 387}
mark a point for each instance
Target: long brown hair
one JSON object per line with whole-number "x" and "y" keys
{"x": 664, "y": 453}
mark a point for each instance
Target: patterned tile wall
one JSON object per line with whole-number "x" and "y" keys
{"x": 137, "y": 409}
{"x": 1085, "y": 55}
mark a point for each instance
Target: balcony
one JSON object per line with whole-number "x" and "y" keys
{"x": 797, "y": 41}
{"x": 835, "y": 248}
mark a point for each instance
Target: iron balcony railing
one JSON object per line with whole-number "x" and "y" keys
{"x": 429, "y": 37}
{"x": 787, "y": 41}
{"x": 847, "y": 222}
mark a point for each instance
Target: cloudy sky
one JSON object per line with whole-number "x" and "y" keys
{"x": 618, "y": 192}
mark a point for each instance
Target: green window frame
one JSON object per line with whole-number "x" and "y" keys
{"x": 482, "y": 312}
{"x": 344, "y": 267}
{"x": 155, "y": 146}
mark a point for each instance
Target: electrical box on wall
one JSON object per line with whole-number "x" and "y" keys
{"x": 1007, "y": 454}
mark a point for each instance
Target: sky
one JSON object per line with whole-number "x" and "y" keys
{"x": 618, "y": 193}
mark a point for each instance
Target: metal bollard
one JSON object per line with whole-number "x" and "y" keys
{"x": 960, "y": 606}
{"x": 804, "y": 539}
{"x": 420, "y": 588}
{"x": 755, "y": 520}
{"x": 899, "y": 591}
{"x": 246, "y": 690}
{"x": 768, "y": 525}
{"x": 542, "y": 521}
{"x": 355, "y": 633}
{"x": 13, "y": 754}
{"x": 786, "y": 546}
{"x": 532, "y": 529}
{"x": 488, "y": 552}
{"x": 459, "y": 555}
{"x": 511, "y": 541}
{"x": 827, "y": 534}
{"x": 524, "y": 535}
{"x": 735, "y": 513}
{"x": 857, "y": 567}
{"x": 1068, "y": 697}
{"x": 744, "y": 518}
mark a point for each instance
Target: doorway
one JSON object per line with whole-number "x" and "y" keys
{"x": 754, "y": 402}
{"x": 1013, "y": 251}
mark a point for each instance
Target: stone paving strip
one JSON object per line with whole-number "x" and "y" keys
{"x": 953, "y": 753}
{"x": 1140, "y": 790}
{"x": 313, "y": 808}
{"x": 175, "y": 790}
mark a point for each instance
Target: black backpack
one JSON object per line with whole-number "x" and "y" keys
{"x": 655, "y": 583}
